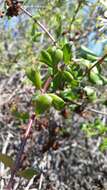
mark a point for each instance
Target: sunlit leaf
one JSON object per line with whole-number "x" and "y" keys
{"x": 67, "y": 54}
{"x": 46, "y": 58}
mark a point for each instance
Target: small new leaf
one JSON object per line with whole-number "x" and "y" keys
{"x": 46, "y": 58}
{"x": 34, "y": 75}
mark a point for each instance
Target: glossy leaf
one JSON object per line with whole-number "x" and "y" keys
{"x": 46, "y": 58}
{"x": 86, "y": 53}
{"x": 67, "y": 76}
{"x": 70, "y": 94}
{"x": 34, "y": 75}
{"x": 36, "y": 36}
{"x": 103, "y": 145}
{"x": 58, "y": 81}
{"x": 67, "y": 54}
{"x": 58, "y": 55}
{"x": 57, "y": 102}
{"x": 95, "y": 78}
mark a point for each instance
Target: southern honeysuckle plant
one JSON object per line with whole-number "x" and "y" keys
{"x": 70, "y": 79}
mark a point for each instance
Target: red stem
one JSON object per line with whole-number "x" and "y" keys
{"x": 18, "y": 160}
{"x": 46, "y": 85}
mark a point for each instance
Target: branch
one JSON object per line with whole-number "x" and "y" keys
{"x": 100, "y": 61}
{"x": 18, "y": 160}
{"x": 96, "y": 111}
{"x": 75, "y": 14}
{"x": 88, "y": 108}
{"x": 40, "y": 24}
{"x": 46, "y": 85}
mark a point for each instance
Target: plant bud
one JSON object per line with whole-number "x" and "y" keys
{"x": 58, "y": 55}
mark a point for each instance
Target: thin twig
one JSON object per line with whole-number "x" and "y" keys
{"x": 46, "y": 85}
{"x": 90, "y": 109}
{"x": 100, "y": 61}
{"x": 40, "y": 24}
{"x": 96, "y": 111}
{"x": 75, "y": 14}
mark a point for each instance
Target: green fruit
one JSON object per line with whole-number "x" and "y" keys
{"x": 34, "y": 75}
{"x": 43, "y": 103}
{"x": 57, "y": 102}
{"x": 58, "y": 55}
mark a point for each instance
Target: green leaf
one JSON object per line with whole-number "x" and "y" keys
{"x": 104, "y": 79}
{"x": 103, "y": 145}
{"x": 7, "y": 160}
{"x": 70, "y": 94}
{"x": 67, "y": 54}
{"x": 51, "y": 50}
{"x": 95, "y": 78}
{"x": 36, "y": 36}
{"x": 46, "y": 58}
{"x": 86, "y": 53}
{"x": 34, "y": 75}
{"x": 67, "y": 76}
{"x": 58, "y": 27}
{"x": 58, "y": 80}
{"x": 57, "y": 102}
{"x": 37, "y": 81}
{"x": 58, "y": 55}
{"x": 87, "y": 50}
{"x": 27, "y": 173}
{"x": 91, "y": 57}
{"x": 33, "y": 29}
{"x": 91, "y": 94}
